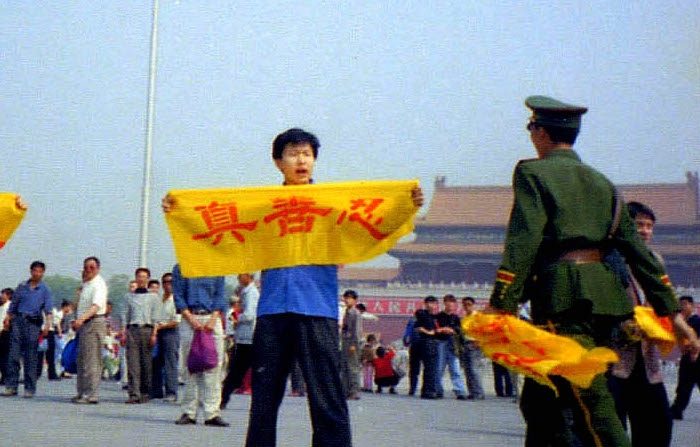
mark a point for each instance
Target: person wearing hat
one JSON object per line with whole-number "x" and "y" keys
{"x": 566, "y": 217}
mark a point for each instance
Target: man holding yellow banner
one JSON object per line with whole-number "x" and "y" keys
{"x": 12, "y": 211}
{"x": 297, "y": 234}
{"x": 565, "y": 219}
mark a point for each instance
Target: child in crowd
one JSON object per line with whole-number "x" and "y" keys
{"x": 366, "y": 357}
{"x": 384, "y": 374}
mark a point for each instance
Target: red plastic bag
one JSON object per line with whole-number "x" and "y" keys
{"x": 203, "y": 355}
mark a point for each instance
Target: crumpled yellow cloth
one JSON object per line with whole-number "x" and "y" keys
{"x": 10, "y": 216}
{"x": 657, "y": 329}
{"x": 536, "y": 353}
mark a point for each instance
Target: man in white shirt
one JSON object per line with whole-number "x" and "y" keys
{"x": 243, "y": 351}
{"x": 91, "y": 329}
{"x": 5, "y": 297}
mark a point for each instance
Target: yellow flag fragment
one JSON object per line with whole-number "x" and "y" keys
{"x": 536, "y": 353}
{"x": 226, "y": 231}
{"x": 658, "y": 329}
{"x": 10, "y": 216}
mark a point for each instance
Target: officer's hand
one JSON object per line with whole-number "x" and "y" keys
{"x": 417, "y": 196}
{"x": 168, "y": 203}
{"x": 685, "y": 332}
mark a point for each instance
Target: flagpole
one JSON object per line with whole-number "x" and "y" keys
{"x": 146, "y": 190}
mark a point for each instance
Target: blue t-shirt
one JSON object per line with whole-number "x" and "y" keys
{"x": 305, "y": 289}
{"x": 205, "y": 293}
{"x": 31, "y": 302}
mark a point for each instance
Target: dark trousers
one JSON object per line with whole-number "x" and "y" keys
{"x": 50, "y": 356}
{"x": 350, "y": 366}
{"x": 502, "y": 383}
{"x": 391, "y": 382}
{"x": 139, "y": 361}
{"x": 578, "y": 416}
{"x": 165, "y": 364}
{"x": 4, "y": 353}
{"x": 688, "y": 378}
{"x": 24, "y": 341}
{"x": 415, "y": 358}
{"x": 279, "y": 340}
{"x": 645, "y": 405}
{"x": 297, "y": 379}
{"x": 239, "y": 363}
{"x": 430, "y": 367}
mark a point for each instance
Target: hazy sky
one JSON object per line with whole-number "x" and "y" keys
{"x": 393, "y": 90}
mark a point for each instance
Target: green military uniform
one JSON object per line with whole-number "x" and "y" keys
{"x": 558, "y": 234}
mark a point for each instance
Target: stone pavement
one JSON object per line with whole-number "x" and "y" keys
{"x": 383, "y": 420}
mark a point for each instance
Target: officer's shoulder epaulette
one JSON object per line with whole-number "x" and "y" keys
{"x": 526, "y": 161}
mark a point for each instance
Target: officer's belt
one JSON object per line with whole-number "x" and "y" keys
{"x": 582, "y": 256}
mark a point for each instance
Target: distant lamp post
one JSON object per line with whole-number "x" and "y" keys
{"x": 146, "y": 190}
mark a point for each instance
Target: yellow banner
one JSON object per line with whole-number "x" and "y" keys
{"x": 658, "y": 329}
{"x": 227, "y": 231}
{"x": 10, "y": 216}
{"x": 536, "y": 353}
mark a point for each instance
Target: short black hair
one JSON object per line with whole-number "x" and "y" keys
{"x": 687, "y": 298}
{"x": 468, "y": 299}
{"x": 637, "y": 208}
{"x": 294, "y": 136}
{"x": 37, "y": 264}
{"x": 430, "y": 299}
{"x": 7, "y": 291}
{"x": 361, "y": 307}
{"x": 66, "y": 303}
{"x": 92, "y": 258}
{"x": 166, "y": 275}
{"x": 381, "y": 351}
{"x": 153, "y": 281}
{"x": 566, "y": 135}
{"x": 350, "y": 294}
{"x": 142, "y": 269}
{"x": 449, "y": 298}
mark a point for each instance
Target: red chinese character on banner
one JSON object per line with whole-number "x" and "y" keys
{"x": 220, "y": 218}
{"x": 378, "y": 307}
{"x": 362, "y": 214}
{"x": 295, "y": 214}
{"x": 394, "y": 307}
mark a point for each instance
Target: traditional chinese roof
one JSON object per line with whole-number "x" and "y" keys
{"x": 458, "y": 249}
{"x": 367, "y": 274}
{"x": 417, "y": 249}
{"x": 673, "y": 203}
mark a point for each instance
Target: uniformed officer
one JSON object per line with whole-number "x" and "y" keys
{"x": 566, "y": 216}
